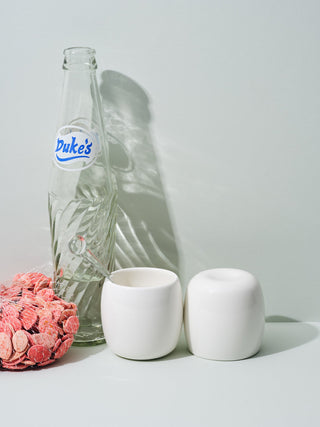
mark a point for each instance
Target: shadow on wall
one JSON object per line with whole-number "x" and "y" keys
{"x": 145, "y": 236}
{"x": 285, "y": 333}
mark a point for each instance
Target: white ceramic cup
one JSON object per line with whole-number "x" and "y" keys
{"x": 141, "y": 311}
{"x": 224, "y": 314}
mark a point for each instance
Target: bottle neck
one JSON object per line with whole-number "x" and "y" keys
{"x": 79, "y": 59}
{"x": 80, "y": 96}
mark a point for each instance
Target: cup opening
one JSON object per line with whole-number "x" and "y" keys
{"x": 143, "y": 277}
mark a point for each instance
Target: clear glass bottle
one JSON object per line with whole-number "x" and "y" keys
{"x": 82, "y": 195}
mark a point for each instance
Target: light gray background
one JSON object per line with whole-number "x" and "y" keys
{"x": 218, "y": 106}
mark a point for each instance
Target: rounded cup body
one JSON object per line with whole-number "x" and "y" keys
{"x": 141, "y": 310}
{"x": 224, "y": 314}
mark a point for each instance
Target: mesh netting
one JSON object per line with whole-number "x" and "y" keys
{"x": 36, "y": 326}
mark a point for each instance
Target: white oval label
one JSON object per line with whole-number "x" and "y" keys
{"x": 75, "y": 148}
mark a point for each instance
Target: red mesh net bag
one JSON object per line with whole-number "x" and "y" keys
{"x": 36, "y": 326}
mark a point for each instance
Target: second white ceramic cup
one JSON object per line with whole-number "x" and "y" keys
{"x": 224, "y": 314}
{"x": 142, "y": 311}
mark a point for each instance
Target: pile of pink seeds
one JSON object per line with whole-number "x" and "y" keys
{"x": 36, "y": 326}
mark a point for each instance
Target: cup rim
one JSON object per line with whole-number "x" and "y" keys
{"x": 174, "y": 279}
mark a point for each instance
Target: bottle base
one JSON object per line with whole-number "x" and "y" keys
{"x": 86, "y": 343}
{"x": 89, "y": 334}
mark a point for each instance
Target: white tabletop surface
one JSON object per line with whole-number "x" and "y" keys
{"x": 93, "y": 387}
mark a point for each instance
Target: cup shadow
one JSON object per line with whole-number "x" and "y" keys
{"x": 280, "y": 336}
{"x": 145, "y": 235}
{"x": 179, "y": 352}
{"x": 277, "y": 338}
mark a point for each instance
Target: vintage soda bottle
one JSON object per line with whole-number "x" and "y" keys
{"x": 82, "y": 195}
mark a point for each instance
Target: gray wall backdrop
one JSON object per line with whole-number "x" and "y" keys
{"x": 212, "y": 113}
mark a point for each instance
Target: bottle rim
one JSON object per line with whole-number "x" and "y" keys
{"x": 79, "y": 59}
{"x": 76, "y": 50}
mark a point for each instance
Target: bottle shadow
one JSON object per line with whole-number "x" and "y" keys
{"x": 76, "y": 354}
{"x": 145, "y": 235}
{"x": 280, "y": 336}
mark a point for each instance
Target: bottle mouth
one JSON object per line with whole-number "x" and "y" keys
{"x": 79, "y": 58}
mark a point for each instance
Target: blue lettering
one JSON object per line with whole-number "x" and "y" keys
{"x": 88, "y": 147}
{"x": 73, "y": 146}
{"x": 66, "y": 148}
{"x": 60, "y": 143}
{"x": 72, "y": 150}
